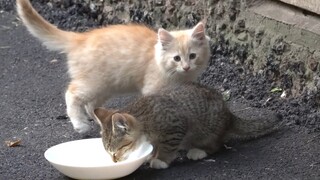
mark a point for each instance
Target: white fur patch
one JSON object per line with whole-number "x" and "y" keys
{"x": 158, "y": 164}
{"x": 196, "y": 154}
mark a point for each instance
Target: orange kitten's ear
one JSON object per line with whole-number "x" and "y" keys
{"x": 198, "y": 31}
{"x": 119, "y": 123}
{"x": 164, "y": 37}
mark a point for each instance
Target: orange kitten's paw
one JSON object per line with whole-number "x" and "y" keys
{"x": 81, "y": 127}
{"x": 158, "y": 164}
{"x": 196, "y": 154}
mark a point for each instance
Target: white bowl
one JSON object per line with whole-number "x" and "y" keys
{"x": 87, "y": 159}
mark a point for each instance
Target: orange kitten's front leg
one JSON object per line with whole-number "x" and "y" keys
{"x": 76, "y": 112}
{"x": 81, "y": 100}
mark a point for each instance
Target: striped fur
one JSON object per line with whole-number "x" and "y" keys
{"x": 190, "y": 116}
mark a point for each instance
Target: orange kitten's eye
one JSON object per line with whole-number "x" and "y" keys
{"x": 192, "y": 55}
{"x": 177, "y": 58}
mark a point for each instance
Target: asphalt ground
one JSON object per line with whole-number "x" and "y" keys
{"x": 32, "y": 108}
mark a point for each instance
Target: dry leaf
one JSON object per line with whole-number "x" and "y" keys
{"x": 13, "y": 143}
{"x": 276, "y": 89}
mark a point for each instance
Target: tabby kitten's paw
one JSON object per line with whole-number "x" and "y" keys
{"x": 196, "y": 154}
{"x": 158, "y": 164}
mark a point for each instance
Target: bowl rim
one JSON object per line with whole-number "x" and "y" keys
{"x": 148, "y": 152}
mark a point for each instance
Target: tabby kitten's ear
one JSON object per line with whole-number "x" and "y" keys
{"x": 198, "y": 32}
{"x": 119, "y": 124}
{"x": 101, "y": 115}
{"x": 164, "y": 37}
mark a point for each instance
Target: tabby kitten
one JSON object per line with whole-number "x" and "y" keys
{"x": 119, "y": 59}
{"x": 190, "y": 117}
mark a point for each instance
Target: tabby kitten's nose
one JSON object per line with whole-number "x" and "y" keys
{"x": 114, "y": 158}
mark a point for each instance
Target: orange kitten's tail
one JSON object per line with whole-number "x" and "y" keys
{"x": 51, "y": 36}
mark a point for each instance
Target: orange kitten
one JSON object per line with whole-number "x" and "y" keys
{"x": 119, "y": 59}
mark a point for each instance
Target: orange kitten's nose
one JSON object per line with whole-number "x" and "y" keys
{"x": 186, "y": 68}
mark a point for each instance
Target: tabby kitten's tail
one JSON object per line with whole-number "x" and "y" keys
{"x": 51, "y": 36}
{"x": 242, "y": 128}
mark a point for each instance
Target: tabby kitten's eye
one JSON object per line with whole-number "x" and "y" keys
{"x": 177, "y": 58}
{"x": 192, "y": 55}
{"x": 126, "y": 145}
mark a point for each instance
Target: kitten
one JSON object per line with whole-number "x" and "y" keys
{"x": 182, "y": 117}
{"x": 119, "y": 59}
